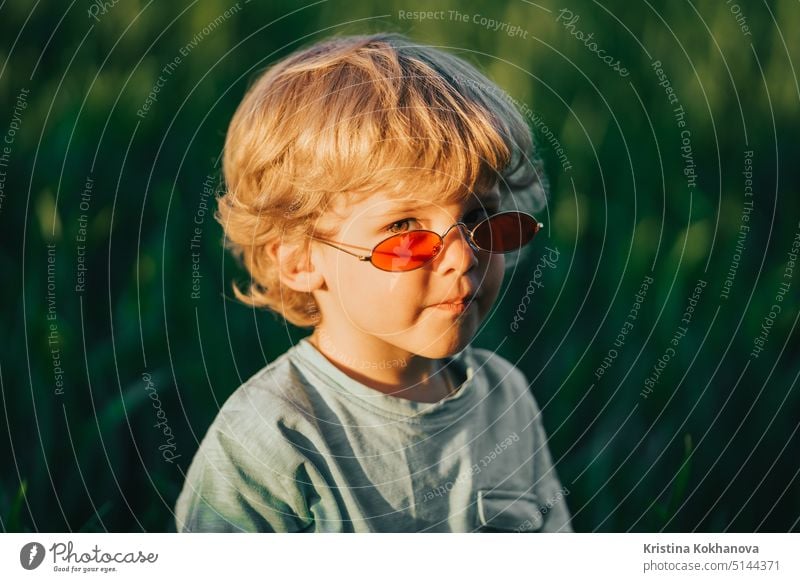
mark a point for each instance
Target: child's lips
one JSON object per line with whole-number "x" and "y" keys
{"x": 465, "y": 298}
{"x": 457, "y": 305}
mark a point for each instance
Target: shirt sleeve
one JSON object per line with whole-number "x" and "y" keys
{"x": 237, "y": 484}
{"x": 552, "y": 495}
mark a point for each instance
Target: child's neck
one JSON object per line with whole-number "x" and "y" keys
{"x": 413, "y": 378}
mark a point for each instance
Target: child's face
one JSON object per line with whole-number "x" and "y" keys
{"x": 377, "y": 311}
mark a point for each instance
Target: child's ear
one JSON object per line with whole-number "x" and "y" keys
{"x": 295, "y": 267}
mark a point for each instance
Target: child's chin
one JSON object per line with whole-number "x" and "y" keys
{"x": 447, "y": 345}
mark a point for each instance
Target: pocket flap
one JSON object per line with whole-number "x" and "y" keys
{"x": 506, "y": 510}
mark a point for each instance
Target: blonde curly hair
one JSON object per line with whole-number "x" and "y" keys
{"x": 351, "y": 116}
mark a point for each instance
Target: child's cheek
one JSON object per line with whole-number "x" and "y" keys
{"x": 491, "y": 282}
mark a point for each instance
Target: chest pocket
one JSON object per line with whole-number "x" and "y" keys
{"x": 508, "y": 511}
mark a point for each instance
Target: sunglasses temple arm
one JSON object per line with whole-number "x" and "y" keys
{"x": 359, "y": 257}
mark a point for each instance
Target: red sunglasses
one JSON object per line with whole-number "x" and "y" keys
{"x": 406, "y": 251}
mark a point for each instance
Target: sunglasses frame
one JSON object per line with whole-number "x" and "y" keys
{"x": 464, "y": 229}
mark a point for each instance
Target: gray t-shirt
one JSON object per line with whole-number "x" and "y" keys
{"x": 301, "y": 446}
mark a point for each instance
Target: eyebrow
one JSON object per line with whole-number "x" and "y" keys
{"x": 487, "y": 199}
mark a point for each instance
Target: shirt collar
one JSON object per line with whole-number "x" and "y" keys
{"x": 332, "y": 379}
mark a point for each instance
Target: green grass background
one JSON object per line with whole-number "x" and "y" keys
{"x": 713, "y": 448}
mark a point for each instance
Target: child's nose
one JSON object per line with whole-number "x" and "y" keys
{"x": 458, "y": 251}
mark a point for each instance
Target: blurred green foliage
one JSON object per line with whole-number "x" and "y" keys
{"x": 714, "y": 446}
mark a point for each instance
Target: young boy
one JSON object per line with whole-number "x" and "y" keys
{"x": 366, "y": 178}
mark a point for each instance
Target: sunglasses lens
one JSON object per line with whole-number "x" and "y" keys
{"x": 407, "y": 251}
{"x": 505, "y": 232}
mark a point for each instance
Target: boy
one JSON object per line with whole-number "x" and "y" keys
{"x": 365, "y": 177}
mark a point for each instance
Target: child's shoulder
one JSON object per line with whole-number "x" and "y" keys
{"x": 503, "y": 375}
{"x": 270, "y": 400}
{"x": 498, "y": 368}
{"x": 247, "y": 450}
